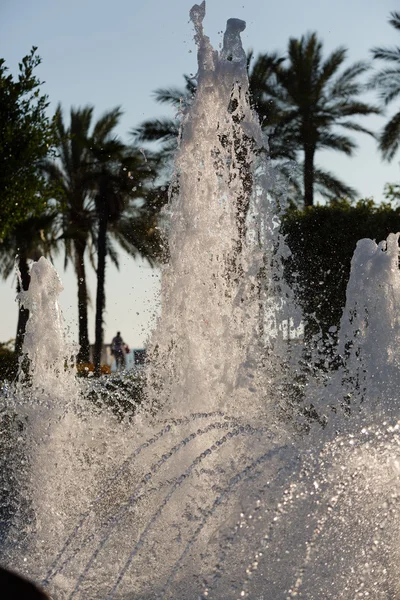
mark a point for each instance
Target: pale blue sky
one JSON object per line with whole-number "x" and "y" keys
{"x": 118, "y": 52}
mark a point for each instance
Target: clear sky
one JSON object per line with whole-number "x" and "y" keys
{"x": 110, "y": 53}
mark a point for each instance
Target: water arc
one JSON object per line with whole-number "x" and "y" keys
{"x": 156, "y": 437}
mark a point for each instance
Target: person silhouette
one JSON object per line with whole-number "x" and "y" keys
{"x": 118, "y": 351}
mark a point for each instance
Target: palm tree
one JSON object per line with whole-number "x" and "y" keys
{"x": 387, "y": 80}
{"x": 306, "y": 100}
{"x": 95, "y": 174}
{"x": 30, "y": 239}
{"x": 119, "y": 181}
{"x": 69, "y": 174}
{"x": 300, "y": 101}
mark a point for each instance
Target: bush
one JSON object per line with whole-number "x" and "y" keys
{"x": 322, "y": 240}
{"x": 8, "y": 361}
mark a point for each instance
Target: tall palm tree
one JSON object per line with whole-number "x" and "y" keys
{"x": 310, "y": 99}
{"x": 72, "y": 175}
{"x": 120, "y": 181}
{"x": 95, "y": 175}
{"x": 69, "y": 174}
{"x": 387, "y": 80}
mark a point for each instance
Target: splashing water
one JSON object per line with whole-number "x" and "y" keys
{"x": 222, "y": 493}
{"x": 369, "y": 336}
{"x": 210, "y": 339}
{"x": 50, "y": 369}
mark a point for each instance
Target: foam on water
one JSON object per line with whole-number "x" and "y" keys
{"x": 222, "y": 493}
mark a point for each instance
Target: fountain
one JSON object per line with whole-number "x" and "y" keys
{"x": 223, "y": 492}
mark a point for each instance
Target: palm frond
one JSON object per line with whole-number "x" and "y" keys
{"x": 106, "y": 124}
{"x": 346, "y": 83}
{"x": 330, "y": 66}
{"x": 357, "y": 127}
{"x": 395, "y": 19}
{"x": 387, "y": 82}
{"x": 388, "y": 54}
{"x": 334, "y": 141}
{"x": 353, "y": 107}
{"x": 177, "y": 97}
{"x": 389, "y": 140}
{"x": 156, "y": 130}
{"x": 172, "y": 96}
{"x": 332, "y": 188}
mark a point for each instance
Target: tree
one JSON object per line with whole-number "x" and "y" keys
{"x": 26, "y": 137}
{"x": 95, "y": 174}
{"x": 305, "y": 99}
{"x": 71, "y": 174}
{"x": 300, "y": 102}
{"x": 119, "y": 180}
{"x": 387, "y": 81}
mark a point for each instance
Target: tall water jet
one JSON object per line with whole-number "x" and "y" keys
{"x": 216, "y": 314}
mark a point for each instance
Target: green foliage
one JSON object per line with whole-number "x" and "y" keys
{"x": 26, "y": 136}
{"x": 309, "y": 102}
{"x": 392, "y": 193}
{"x": 8, "y": 362}
{"x": 322, "y": 240}
{"x": 387, "y": 82}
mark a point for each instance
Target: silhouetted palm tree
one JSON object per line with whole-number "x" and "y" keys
{"x": 70, "y": 174}
{"x": 120, "y": 188}
{"x": 309, "y": 99}
{"x": 387, "y": 80}
{"x": 96, "y": 174}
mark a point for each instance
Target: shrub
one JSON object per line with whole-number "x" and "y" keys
{"x": 8, "y": 361}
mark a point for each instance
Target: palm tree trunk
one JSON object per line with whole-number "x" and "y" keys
{"x": 309, "y": 152}
{"x": 83, "y": 354}
{"x": 100, "y": 295}
{"x": 23, "y": 313}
